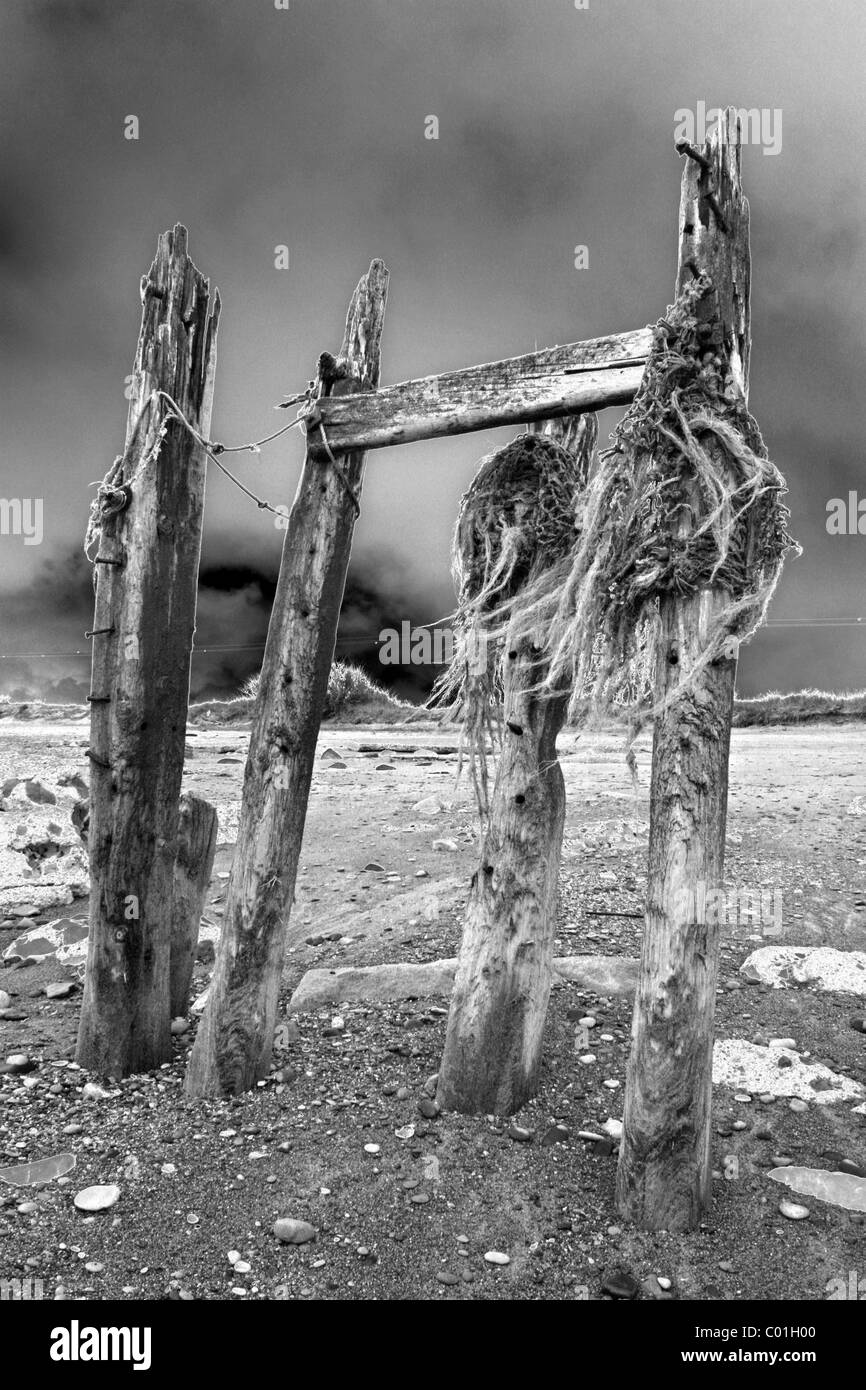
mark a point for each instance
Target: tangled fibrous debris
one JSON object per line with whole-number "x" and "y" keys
{"x": 686, "y": 499}
{"x": 515, "y": 521}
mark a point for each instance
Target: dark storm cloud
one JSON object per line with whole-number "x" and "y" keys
{"x": 306, "y": 127}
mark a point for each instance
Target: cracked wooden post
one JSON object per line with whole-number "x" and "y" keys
{"x": 146, "y": 575}
{"x": 233, "y": 1047}
{"x": 505, "y": 968}
{"x": 664, "y": 1174}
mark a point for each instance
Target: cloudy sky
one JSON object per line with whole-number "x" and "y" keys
{"x": 305, "y": 126}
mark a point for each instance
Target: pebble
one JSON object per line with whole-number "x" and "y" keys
{"x": 293, "y": 1232}
{"x": 613, "y": 1128}
{"x": 794, "y": 1211}
{"x": 27, "y": 1208}
{"x": 429, "y": 1108}
{"x": 743, "y": 1097}
{"x": 620, "y": 1284}
{"x": 178, "y": 1026}
{"x": 19, "y": 1062}
{"x": 496, "y": 1257}
{"x": 372, "y": 1149}
{"x": 91, "y": 1091}
{"x": 663, "y": 1282}
{"x": 450, "y": 846}
{"x": 405, "y": 1132}
{"x": 782, "y": 1160}
{"x": 556, "y": 1134}
{"x": 61, "y": 989}
{"x": 798, "y": 1106}
{"x": 444, "y": 1276}
{"x": 5, "y": 1001}
{"x": 373, "y": 867}
{"x": 98, "y": 1198}
{"x": 419, "y": 1198}
{"x": 519, "y": 1134}
{"x": 242, "y": 1267}
{"x": 858, "y": 1023}
{"x": 611, "y": 1084}
{"x": 94, "y": 1267}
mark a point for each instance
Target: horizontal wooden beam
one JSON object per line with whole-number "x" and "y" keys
{"x": 575, "y": 378}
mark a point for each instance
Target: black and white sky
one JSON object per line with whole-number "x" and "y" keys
{"x": 305, "y": 125}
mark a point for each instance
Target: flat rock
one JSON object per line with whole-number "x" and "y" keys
{"x": 820, "y": 967}
{"x": 838, "y": 1189}
{"x": 746, "y": 1067}
{"x": 606, "y": 975}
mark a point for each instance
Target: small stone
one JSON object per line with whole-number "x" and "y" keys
{"x": 556, "y": 1134}
{"x": 98, "y": 1198}
{"x": 663, "y": 1282}
{"x": 620, "y": 1284}
{"x": 793, "y": 1210}
{"x": 293, "y": 1232}
{"x": 372, "y": 1149}
{"x": 5, "y": 1001}
{"x": 94, "y": 1267}
{"x": 429, "y": 1108}
{"x": 179, "y": 1026}
{"x": 858, "y": 1023}
{"x": 611, "y": 1084}
{"x": 740, "y": 1125}
{"x": 61, "y": 989}
{"x": 242, "y": 1267}
{"x": 18, "y": 1062}
{"x": 782, "y": 1160}
{"x": 613, "y": 1128}
{"x": 496, "y": 1257}
{"x": 798, "y": 1106}
{"x": 27, "y": 1208}
{"x": 847, "y": 1165}
{"x": 742, "y": 1097}
{"x": 373, "y": 867}
{"x": 419, "y": 1198}
{"x": 519, "y": 1134}
{"x": 726, "y": 1265}
{"x": 405, "y": 1132}
{"x": 444, "y": 1276}
{"x": 91, "y": 1091}
{"x": 449, "y": 846}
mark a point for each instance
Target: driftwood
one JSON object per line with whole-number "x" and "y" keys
{"x": 664, "y": 1178}
{"x": 234, "y": 1043}
{"x": 146, "y": 578}
{"x": 196, "y": 846}
{"x": 570, "y": 380}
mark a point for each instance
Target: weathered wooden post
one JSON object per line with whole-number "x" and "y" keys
{"x": 235, "y": 1039}
{"x": 196, "y": 846}
{"x": 663, "y": 1180}
{"x": 148, "y": 528}
{"x": 502, "y": 987}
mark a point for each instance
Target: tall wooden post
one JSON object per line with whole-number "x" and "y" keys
{"x": 505, "y": 969}
{"x": 663, "y": 1180}
{"x": 146, "y": 576}
{"x": 235, "y": 1039}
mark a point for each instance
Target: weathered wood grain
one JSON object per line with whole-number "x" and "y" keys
{"x": 663, "y": 1179}
{"x": 569, "y": 380}
{"x": 235, "y": 1039}
{"x": 140, "y": 675}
